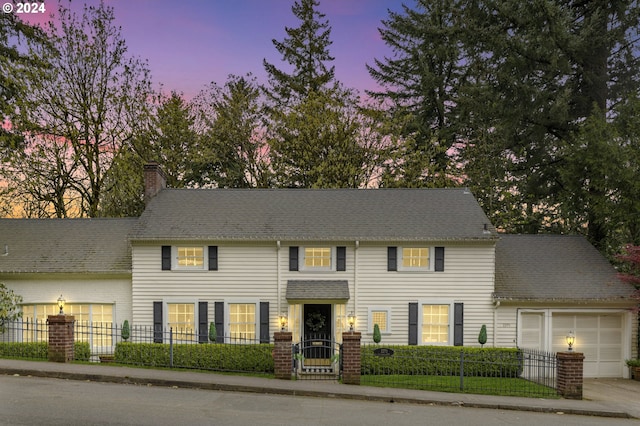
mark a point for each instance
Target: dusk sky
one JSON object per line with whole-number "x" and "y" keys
{"x": 190, "y": 43}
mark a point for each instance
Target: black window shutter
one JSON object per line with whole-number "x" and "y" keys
{"x": 166, "y": 258}
{"x": 439, "y": 266}
{"x": 219, "y": 321}
{"x": 458, "y": 323}
{"x": 413, "y": 323}
{"x": 264, "y": 322}
{"x": 203, "y": 322}
{"x": 213, "y": 258}
{"x": 157, "y": 322}
{"x": 341, "y": 259}
{"x": 293, "y": 258}
{"x": 392, "y": 258}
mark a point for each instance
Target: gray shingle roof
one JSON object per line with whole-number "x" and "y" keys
{"x": 317, "y": 290}
{"x": 554, "y": 268}
{"x": 308, "y": 214}
{"x": 65, "y": 245}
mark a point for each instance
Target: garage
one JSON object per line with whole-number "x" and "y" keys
{"x": 599, "y": 336}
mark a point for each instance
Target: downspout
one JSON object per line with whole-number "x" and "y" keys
{"x": 355, "y": 279}
{"x": 278, "y": 277}
{"x": 496, "y": 305}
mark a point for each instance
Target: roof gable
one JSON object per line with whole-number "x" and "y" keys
{"x": 314, "y": 214}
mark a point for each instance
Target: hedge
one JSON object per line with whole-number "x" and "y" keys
{"x": 40, "y": 350}
{"x": 443, "y": 361}
{"x": 255, "y": 358}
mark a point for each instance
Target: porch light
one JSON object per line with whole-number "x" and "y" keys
{"x": 571, "y": 339}
{"x": 61, "y": 305}
{"x": 283, "y": 321}
{"x": 351, "y": 318}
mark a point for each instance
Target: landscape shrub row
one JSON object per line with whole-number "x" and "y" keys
{"x": 443, "y": 361}
{"x": 251, "y": 358}
{"x": 39, "y": 350}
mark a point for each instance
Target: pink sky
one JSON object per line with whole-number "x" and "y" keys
{"x": 190, "y": 43}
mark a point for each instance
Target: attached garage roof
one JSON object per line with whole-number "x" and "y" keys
{"x": 317, "y": 290}
{"x": 555, "y": 268}
{"x": 65, "y": 245}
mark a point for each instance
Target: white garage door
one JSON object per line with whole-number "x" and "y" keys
{"x": 598, "y": 336}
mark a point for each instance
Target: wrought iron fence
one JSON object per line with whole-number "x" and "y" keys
{"x": 518, "y": 372}
{"x": 142, "y": 346}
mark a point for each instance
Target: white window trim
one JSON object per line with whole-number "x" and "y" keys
{"x": 174, "y": 258}
{"x": 451, "y": 305}
{"x": 304, "y": 268}
{"x": 380, "y": 309}
{"x": 227, "y": 317}
{"x": 428, "y": 268}
{"x": 172, "y": 301}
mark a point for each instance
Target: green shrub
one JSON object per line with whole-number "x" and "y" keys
{"x": 126, "y": 330}
{"x": 40, "y": 350}
{"x": 482, "y": 337}
{"x": 376, "y": 333}
{"x": 36, "y": 350}
{"x": 443, "y": 361}
{"x": 246, "y": 358}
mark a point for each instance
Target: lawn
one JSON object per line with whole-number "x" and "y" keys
{"x": 476, "y": 385}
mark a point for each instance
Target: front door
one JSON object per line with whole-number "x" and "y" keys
{"x": 317, "y": 331}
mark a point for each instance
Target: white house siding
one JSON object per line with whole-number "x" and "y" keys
{"x": 467, "y": 278}
{"x": 246, "y": 272}
{"x": 600, "y": 333}
{"x": 76, "y": 289}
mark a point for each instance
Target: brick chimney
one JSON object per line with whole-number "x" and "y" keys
{"x": 154, "y": 181}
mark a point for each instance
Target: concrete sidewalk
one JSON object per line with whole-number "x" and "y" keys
{"x": 624, "y": 406}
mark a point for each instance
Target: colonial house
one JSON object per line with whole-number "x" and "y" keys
{"x": 426, "y": 265}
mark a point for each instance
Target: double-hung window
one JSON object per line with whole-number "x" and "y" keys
{"x": 317, "y": 258}
{"x": 190, "y": 257}
{"x": 242, "y": 321}
{"x": 435, "y": 324}
{"x": 415, "y": 258}
{"x": 181, "y": 320}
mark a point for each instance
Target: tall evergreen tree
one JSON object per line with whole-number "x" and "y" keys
{"x": 532, "y": 91}
{"x": 313, "y": 127}
{"x": 306, "y": 49}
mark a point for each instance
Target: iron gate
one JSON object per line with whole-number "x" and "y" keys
{"x": 317, "y": 357}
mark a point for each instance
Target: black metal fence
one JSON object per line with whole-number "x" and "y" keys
{"x": 142, "y": 346}
{"x": 517, "y": 372}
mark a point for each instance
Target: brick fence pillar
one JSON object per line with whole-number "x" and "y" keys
{"x": 282, "y": 358}
{"x": 351, "y": 357}
{"x": 569, "y": 374}
{"x": 60, "y": 338}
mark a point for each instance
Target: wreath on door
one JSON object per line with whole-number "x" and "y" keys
{"x": 315, "y": 321}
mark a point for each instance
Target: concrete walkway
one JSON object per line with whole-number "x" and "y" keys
{"x": 602, "y": 397}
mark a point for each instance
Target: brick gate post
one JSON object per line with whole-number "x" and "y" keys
{"x": 570, "y": 374}
{"x": 351, "y": 357}
{"x": 60, "y": 338}
{"x": 282, "y": 358}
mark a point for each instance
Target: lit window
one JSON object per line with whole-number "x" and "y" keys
{"x": 93, "y": 323}
{"x": 435, "y": 324}
{"x": 317, "y": 257}
{"x": 191, "y": 257}
{"x": 242, "y": 320}
{"x": 181, "y": 318}
{"x": 415, "y": 257}
{"x": 380, "y": 317}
